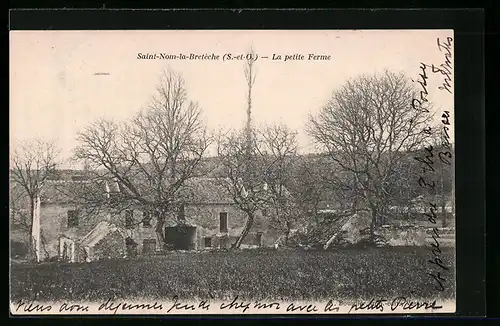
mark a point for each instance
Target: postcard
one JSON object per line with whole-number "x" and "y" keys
{"x": 168, "y": 172}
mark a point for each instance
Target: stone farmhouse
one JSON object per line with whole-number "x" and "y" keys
{"x": 66, "y": 232}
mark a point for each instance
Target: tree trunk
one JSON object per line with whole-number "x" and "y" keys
{"x": 244, "y": 233}
{"x": 315, "y": 213}
{"x": 32, "y": 211}
{"x": 287, "y": 236}
{"x": 383, "y": 216}
{"x": 160, "y": 233}
{"x": 374, "y": 221}
{"x": 32, "y": 244}
{"x": 287, "y": 232}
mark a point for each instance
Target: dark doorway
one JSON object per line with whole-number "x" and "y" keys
{"x": 181, "y": 237}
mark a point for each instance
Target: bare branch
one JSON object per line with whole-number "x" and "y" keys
{"x": 367, "y": 129}
{"x": 152, "y": 155}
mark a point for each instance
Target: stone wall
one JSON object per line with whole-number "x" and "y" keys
{"x": 139, "y": 232}
{"x": 415, "y": 235}
{"x": 207, "y": 219}
{"x": 54, "y": 224}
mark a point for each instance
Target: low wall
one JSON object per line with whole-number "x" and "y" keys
{"x": 416, "y": 235}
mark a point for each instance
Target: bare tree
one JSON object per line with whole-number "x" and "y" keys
{"x": 242, "y": 176}
{"x": 308, "y": 186}
{"x": 19, "y": 207}
{"x": 259, "y": 176}
{"x": 238, "y": 154}
{"x": 151, "y": 156}
{"x": 367, "y": 128}
{"x": 277, "y": 147}
{"x": 444, "y": 171}
{"x": 250, "y": 76}
{"x": 32, "y": 162}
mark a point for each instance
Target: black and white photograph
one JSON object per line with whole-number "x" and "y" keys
{"x": 193, "y": 172}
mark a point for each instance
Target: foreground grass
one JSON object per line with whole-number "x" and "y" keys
{"x": 361, "y": 273}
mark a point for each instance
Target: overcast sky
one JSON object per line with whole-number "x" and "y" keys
{"x": 54, "y": 91}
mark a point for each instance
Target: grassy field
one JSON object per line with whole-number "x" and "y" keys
{"x": 342, "y": 274}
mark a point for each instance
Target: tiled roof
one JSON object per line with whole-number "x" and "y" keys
{"x": 61, "y": 192}
{"x": 195, "y": 190}
{"x": 205, "y": 191}
{"x": 65, "y": 184}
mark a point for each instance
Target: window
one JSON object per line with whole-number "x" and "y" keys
{"x": 72, "y": 218}
{"x": 208, "y": 242}
{"x": 146, "y": 219}
{"x": 223, "y": 222}
{"x": 129, "y": 219}
{"x": 148, "y": 246}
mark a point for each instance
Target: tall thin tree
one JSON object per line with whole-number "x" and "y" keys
{"x": 240, "y": 173}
